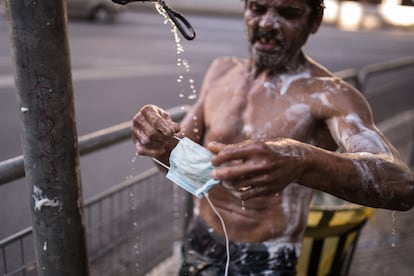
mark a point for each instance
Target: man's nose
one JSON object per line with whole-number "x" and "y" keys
{"x": 270, "y": 20}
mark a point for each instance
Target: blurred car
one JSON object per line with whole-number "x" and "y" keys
{"x": 102, "y": 11}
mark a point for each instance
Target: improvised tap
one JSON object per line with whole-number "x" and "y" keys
{"x": 179, "y": 21}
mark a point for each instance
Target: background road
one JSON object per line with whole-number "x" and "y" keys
{"x": 119, "y": 67}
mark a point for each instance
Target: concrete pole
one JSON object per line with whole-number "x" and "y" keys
{"x": 40, "y": 51}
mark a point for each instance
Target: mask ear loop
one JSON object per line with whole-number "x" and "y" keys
{"x": 223, "y": 225}
{"x": 225, "y": 233}
{"x": 161, "y": 163}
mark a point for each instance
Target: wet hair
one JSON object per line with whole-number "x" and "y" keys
{"x": 316, "y": 6}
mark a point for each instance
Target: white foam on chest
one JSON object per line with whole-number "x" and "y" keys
{"x": 288, "y": 79}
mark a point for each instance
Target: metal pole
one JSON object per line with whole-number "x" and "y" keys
{"x": 40, "y": 51}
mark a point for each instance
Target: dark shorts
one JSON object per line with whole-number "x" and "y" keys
{"x": 204, "y": 254}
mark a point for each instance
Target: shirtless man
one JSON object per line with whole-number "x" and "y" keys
{"x": 283, "y": 125}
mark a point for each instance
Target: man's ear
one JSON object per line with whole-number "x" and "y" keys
{"x": 316, "y": 23}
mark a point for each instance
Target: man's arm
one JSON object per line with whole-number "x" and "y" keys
{"x": 367, "y": 169}
{"x": 375, "y": 180}
{"x": 153, "y": 130}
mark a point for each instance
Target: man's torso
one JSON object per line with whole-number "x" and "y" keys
{"x": 238, "y": 107}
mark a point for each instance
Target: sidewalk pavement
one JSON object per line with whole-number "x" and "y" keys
{"x": 386, "y": 244}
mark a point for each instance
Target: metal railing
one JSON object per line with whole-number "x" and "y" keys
{"x": 13, "y": 168}
{"x": 116, "y": 237}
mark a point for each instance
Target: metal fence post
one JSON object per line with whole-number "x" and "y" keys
{"x": 411, "y": 158}
{"x": 40, "y": 51}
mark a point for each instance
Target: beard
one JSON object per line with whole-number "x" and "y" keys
{"x": 272, "y": 62}
{"x": 274, "y": 59}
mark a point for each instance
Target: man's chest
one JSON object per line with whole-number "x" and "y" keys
{"x": 258, "y": 115}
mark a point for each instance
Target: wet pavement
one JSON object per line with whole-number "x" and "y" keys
{"x": 386, "y": 246}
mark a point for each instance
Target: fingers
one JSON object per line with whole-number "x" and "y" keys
{"x": 252, "y": 181}
{"x": 155, "y": 122}
{"x": 264, "y": 184}
{"x": 215, "y": 147}
{"x": 251, "y": 193}
{"x": 240, "y": 171}
{"x": 156, "y": 151}
{"x": 152, "y": 130}
{"x": 241, "y": 151}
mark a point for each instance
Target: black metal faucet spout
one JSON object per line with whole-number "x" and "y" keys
{"x": 179, "y": 21}
{"x": 124, "y": 2}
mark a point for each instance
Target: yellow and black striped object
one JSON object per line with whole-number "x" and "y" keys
{"x": 330, "y": 239}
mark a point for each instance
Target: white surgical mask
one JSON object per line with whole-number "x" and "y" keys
{"x": 190, "y": 167}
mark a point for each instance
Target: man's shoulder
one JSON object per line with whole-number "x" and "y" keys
{"x": 221, "y": 66}
{"x": 332, "y": 97}
{"x": 228, "y": 61}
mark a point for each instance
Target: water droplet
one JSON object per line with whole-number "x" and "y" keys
{"x": 393, "y": 231}
{"x": 243, "y": 205}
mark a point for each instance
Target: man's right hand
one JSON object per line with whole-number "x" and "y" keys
{"x": 153, "y": 131}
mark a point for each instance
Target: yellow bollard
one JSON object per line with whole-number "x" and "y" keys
{"x": 331, "y": 236}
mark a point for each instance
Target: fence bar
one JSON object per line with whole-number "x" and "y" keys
{"x": 13, "y": 168}
{"x": 40, "y": 51}
{"x": 381, "y": 67}
{"x": 348, "y": 75}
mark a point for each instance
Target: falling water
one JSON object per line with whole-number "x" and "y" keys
{"x": 192, "y": 96}
{"x": 133, "y": 204}
{"x": 393, "y": 232}
{"x": 177, "y": 196}
{"x": 181, "y": 62}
